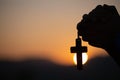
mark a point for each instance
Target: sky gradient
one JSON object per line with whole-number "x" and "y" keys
{"x": 44, "y": 28}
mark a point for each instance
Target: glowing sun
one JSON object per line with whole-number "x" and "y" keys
{"x": 84, "y": 58}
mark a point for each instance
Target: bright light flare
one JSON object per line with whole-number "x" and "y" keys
{"x": 84, "y": 58}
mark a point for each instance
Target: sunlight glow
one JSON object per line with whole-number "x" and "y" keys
{"x": 84, "y": 58}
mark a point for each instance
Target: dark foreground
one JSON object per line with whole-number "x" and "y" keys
{"x": 102, "y": 68}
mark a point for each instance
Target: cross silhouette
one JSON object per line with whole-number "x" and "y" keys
{"x": 78, "y": 49}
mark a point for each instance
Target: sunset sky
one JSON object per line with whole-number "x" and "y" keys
{"x": 44, "y": 28}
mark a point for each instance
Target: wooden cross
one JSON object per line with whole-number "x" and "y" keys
{"x": 79, "y": 49}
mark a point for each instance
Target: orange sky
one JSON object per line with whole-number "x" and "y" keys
{"x": 45, "y": 28}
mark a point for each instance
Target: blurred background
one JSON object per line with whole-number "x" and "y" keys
{"x": 46, "y": 29}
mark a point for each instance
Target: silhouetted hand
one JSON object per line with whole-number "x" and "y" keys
{"x": 100, "y": 28}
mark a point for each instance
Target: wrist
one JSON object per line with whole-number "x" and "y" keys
{"x": 113, "y": 49}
